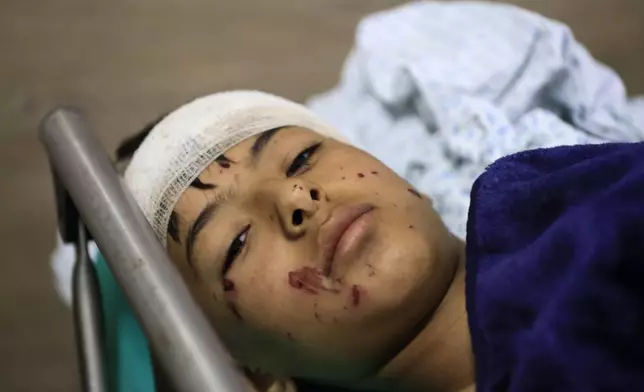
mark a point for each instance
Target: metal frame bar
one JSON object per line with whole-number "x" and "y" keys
{"x": 88, "y": 321}
{"x": 88, "y": 324}
{"x": 180, "y": 335}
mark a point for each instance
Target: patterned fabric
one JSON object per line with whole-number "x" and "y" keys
{"x": 438, "y": 91}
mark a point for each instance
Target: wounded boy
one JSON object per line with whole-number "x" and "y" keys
{"x": 317, "y": 263}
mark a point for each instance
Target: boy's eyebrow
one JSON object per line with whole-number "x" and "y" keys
{"x": 261, "y": 142}
{"x": 202, "y": 220}
{"x": 208, "y": 212}
{"x": 201, "y": 185}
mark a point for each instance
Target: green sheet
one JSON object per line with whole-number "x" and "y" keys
{"x": 129, "y": 364}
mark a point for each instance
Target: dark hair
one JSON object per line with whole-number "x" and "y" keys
{"x": 128, "y": 147}
{"x": 123, "y": 155}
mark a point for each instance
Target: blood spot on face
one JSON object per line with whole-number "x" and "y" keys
{"x": 355, "y": 295}
{"x": 372, "y": 271}
{"x": 309, "y": 280}
{"x": 315, "y": 312}
{"x": 414, "y": 192}
{"x": 229, "y": 285}
{"x": 300, "y": 281}
{"x": 360, "y": 175}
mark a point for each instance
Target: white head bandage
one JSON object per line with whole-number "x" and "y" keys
{"x": 189, "y": 139}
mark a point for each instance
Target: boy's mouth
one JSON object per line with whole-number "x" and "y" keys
{"x": 341, "y": 233}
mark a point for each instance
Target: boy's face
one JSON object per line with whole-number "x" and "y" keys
{"x": 310, "y": 257}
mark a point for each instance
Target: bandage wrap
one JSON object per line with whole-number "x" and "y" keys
{"x": 189, "y": 139}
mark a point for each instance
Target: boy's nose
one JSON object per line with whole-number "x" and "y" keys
{"x": 297, "y": 202}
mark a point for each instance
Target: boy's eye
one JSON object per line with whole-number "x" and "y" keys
{"x": 301, "y": 160}
{"x": 235, "y": 249}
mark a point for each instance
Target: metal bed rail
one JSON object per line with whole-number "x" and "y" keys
{"x": 180, "y": 335}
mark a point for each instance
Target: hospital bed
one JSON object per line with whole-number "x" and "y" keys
{"x": 92, "y": 204}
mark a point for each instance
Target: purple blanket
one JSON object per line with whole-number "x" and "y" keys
{"x": 555, "y": 270}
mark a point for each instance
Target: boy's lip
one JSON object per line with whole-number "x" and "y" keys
{"x": 339, "y": 232}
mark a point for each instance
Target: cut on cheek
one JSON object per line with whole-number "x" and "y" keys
{"x": 315, "y": 312}
{"x": 229, "y": 296}
{"x": 229, "y": 285}
{"x": 308, "y": 280}
{"x": 304, "y": 280}
{"x": 355, "y": 295}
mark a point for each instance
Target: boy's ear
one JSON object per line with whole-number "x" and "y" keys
{"x": 261, "y": 382}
